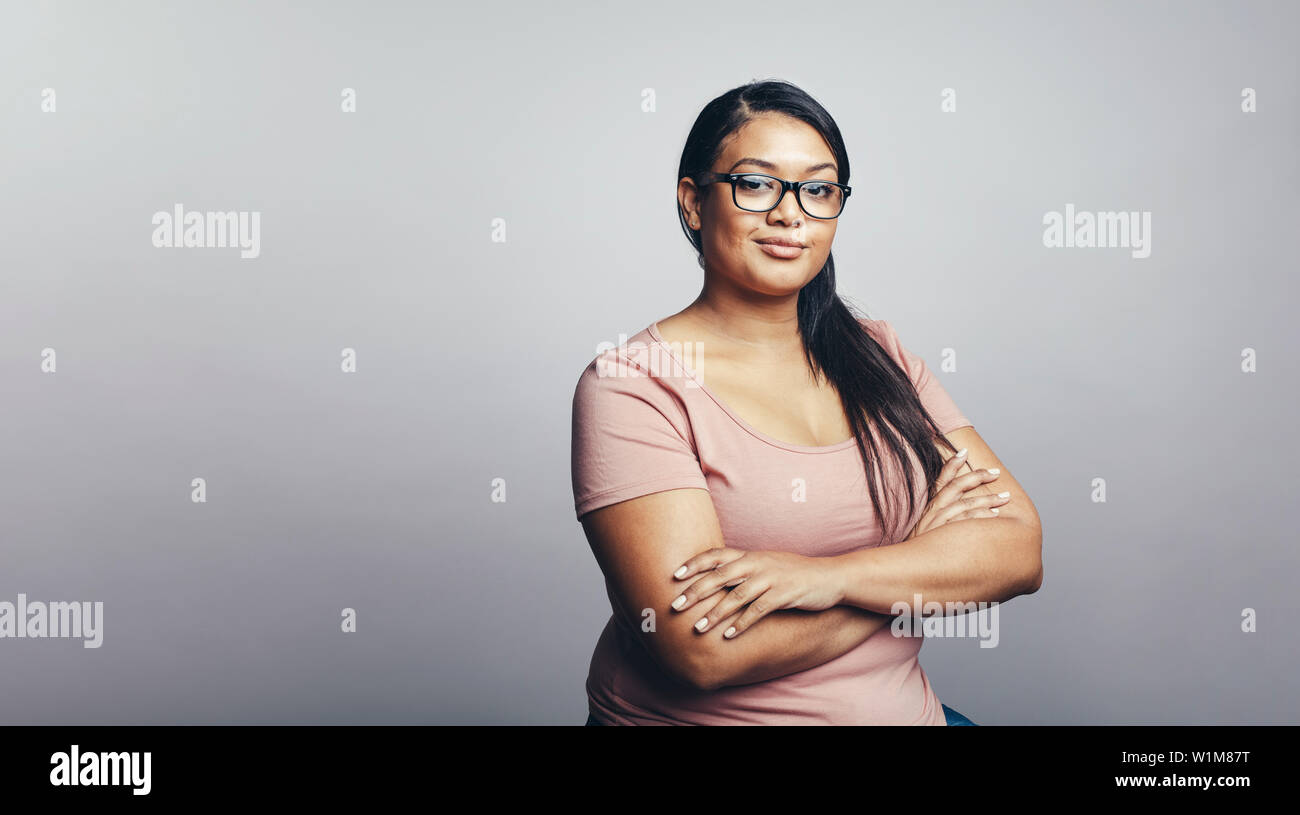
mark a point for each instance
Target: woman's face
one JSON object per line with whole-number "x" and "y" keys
{"x": 776, "y": 145}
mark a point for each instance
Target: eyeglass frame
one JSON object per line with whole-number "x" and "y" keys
{"x": 709, "y": 177}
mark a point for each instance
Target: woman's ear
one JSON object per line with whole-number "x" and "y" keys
{"x": 690, "y": 199}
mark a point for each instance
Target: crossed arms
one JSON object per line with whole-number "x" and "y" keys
{"x": 640, "y": 543}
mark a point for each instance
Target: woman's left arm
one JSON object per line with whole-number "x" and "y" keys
{"x": 974, "y": 560}
{"x": 967, "y": 561}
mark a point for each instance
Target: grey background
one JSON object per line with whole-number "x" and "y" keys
{"x": 371, "y": 490}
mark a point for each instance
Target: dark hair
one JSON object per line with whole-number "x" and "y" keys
{"x": 871, "y": 386}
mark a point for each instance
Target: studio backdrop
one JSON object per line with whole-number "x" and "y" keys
{"x": 294, "y": 298}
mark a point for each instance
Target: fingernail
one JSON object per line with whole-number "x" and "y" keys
{"x": 961, "y": 452}
{"x": 700, "y": 625}
{"x": 1004, "y": 495}
{"x": 994, "y": 471}
{"x": 679, "y": 602}
{"x": 680, "y": 572}
{"x": 730, "y": 632}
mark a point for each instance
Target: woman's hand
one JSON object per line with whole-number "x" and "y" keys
{"x": 955, "y": 499}
{"x": 764, "y": 581}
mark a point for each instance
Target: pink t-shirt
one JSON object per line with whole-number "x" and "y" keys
{"x": 644, "y": 421}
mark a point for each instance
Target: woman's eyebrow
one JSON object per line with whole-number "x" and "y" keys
{"x": 767, "y": 165}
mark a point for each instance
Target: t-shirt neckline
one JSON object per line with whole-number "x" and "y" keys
{"x": 653, "y": 330}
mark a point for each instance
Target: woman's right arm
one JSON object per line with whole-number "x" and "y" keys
{"x": 639, "y": 543}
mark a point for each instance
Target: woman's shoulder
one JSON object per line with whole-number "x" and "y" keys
{"x": 882, "y": 332}
{"x": 875, "y": 326}
{"x": 639, "y": 363}
{"x": 624, "y": 352}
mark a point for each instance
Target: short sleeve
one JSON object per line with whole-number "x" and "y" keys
{"x": 934, "y": 397}
{"x": 631, "y": 438}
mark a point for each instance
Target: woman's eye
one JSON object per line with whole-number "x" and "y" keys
{"x": 818, "y": 190}
{"x": 752, "y": 183}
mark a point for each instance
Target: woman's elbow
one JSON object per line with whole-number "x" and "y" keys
{"x": 1034, "y": 577}
{"x": 1035, "y": 580}
{"x": 706, "y": 681}
{"x": 696, "y": 664}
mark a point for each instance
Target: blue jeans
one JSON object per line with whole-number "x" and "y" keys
{"x": 956, "y": 719}
{"x": 953, "y": 718}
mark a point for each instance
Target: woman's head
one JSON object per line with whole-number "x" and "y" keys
{"x": 793, "y": 138}
{"x": 771, "y": 128}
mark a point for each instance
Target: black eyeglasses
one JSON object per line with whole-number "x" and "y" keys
{"x": 756, "y": 192}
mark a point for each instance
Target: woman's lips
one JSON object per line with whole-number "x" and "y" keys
{"x": 776, "y": 250}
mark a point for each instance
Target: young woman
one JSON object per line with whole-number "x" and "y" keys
{"x": 762, "y": 475}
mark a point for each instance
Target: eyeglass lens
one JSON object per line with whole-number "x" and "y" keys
{"x": 759, "y": 193}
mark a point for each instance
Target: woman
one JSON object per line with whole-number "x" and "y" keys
{"x": 738, "y": 467}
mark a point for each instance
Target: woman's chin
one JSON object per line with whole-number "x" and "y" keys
{"x": 778, "y": 284}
